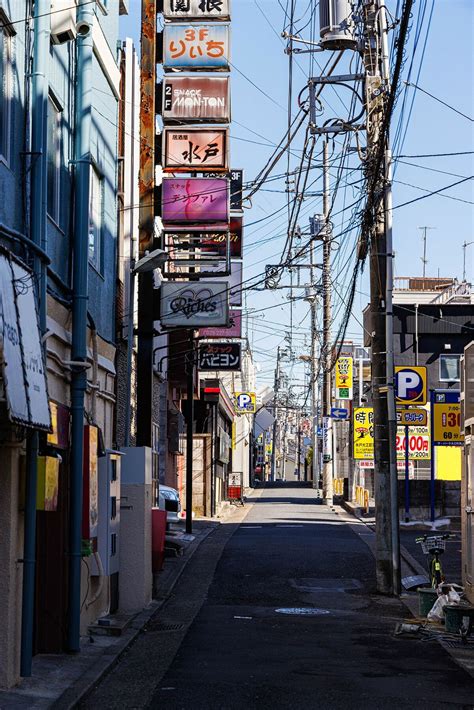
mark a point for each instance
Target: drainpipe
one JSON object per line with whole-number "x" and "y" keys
{"x": 80, "y": 242}
{"x": 39, "y": 90}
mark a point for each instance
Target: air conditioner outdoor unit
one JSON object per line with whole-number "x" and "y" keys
{"x": 63, "y": 21}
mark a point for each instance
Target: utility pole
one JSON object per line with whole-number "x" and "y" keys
{"x": 146, "y": 223}
{"x": 423, "y": 258}
{"x": 316, "y": 227}
{"x": 275, "y": 424}
{"x": 464, "y": 247}
{"x": 326, "y": 347}
{"x": 381, "y": 286}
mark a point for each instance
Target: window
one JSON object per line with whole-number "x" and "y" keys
{"x": 449, "y": 368}
{"x": 54, "y": 147}
{"x": 95, "y": 217}
{"x": 5, "y": 92}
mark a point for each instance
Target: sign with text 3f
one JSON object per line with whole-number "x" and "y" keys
{"x": 410, "y": 385}
{"x": 245, "y": 402}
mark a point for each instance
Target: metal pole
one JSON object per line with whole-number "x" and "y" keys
{"x": 326, "y": 349}
{"x": 274, "y": 430}
{"x": 190, "y": 435}
{"x": 407, "y": 476}
{"x": 85, "y": 14}
{"x": 390, "y": 360}
{"x": 377, "y": 237}
{"x": 130, "y": 339}
{"x": 146, "y": 223}
{"x": 38, "y": 235}
{"x": 432, "y": 462}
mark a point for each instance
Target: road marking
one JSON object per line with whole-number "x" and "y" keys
{"x": 250, "y": 527}
{"x": 243, "y": 617}
{"x": 287, "y": 526}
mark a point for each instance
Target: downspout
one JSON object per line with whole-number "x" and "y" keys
{"x": 38, "y": 236}
{"x": 80, "y": 244}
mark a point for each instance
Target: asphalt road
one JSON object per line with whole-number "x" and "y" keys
{"x": 223, "y": 642}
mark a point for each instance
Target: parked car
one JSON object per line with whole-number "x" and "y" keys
{"x": 168, "y": 499}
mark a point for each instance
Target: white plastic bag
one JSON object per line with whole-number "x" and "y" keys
{"x": 436, "y": 612}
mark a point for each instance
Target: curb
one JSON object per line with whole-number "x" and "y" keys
{"x": 102, "y": 666}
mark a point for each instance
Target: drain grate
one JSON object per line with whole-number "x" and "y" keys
{"x": 161, "y": 626}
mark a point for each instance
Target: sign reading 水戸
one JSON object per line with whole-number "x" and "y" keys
{"x": 195, "y": 149}
{"x": 219, "y": 356}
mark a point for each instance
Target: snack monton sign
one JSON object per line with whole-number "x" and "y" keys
{"x": 194, "y": 304}
{"x": 196, "y": 98}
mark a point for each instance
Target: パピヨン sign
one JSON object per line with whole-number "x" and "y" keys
{"x": 195, "y": 149}
{"x": 194, "y": 304}
{"x": 219, "y": 356}
{"x": 195, "y": 200}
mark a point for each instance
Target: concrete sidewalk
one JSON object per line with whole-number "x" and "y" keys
{"x": 60, "y": 681}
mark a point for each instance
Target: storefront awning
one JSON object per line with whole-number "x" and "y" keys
{"x": 22, "y": 364}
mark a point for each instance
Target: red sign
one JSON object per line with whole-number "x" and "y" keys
{"x": 215, "y": 242}
{"x": 195, "y": 149}
{"x": 195, "y": 200}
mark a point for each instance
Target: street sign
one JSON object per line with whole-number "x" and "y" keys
{"x": 245, "y": 402}
{"x": 412, "y": 417}
{"x": 410, "y": 385}
{"x": 339, "y": 413}
{"x": 219, "y": 356}
{"x": 419, "y": 445}
{"x": 364, "y": 433}
{"x": 343, "y": 372}
{"x": 447, "y": 419}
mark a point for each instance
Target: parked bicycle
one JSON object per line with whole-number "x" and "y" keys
{"x": 434, "y": 546}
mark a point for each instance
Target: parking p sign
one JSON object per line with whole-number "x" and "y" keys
{"x": 410, "y": 385}
{"x": 245, "y": 402}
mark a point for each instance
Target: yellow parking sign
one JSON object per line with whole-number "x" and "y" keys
{"x": 447, "y": 424}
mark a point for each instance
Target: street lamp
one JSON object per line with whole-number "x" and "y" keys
{"x": 149, "y": 262}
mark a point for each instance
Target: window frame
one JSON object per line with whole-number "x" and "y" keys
{"x": 96, "y": 260}
{"x": 450, "y": 379}
{"x": 7, "y": 31}
{"x": 54, "y": 104}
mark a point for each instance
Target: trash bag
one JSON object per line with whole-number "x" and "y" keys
{"x": 436, "y": 612}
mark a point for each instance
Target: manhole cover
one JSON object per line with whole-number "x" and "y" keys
{"x": 160, "y": 626}
{"x": 303, "y": 611}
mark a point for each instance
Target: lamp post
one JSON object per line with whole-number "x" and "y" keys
{"x": 151, "y": 261}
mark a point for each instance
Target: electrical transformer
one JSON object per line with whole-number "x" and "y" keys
{"x": 336, "y": 24}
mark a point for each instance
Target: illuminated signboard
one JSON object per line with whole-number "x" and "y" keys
{"x": 211, "y": 243}
{"x": 195, "y": 149}
{"x": 195, "y": 200}
{"x": 196, "y": 9}
{"x": 234, "y": 281}
{"x": 219, "y": 356}
{"x": 234, "y": 330}
{"x": 194, "y": 304}
{"x": 196, "y": 47}
{"x": 196, "y": 98}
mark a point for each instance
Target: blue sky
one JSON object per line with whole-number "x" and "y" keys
{"x": 260, "y": 118}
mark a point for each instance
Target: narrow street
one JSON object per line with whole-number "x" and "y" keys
{"x": 220, "y": 642}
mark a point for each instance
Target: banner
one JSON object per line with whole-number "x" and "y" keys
{"x": 195, "y": 200}
{"x": 196, "y": 47}
{"x": 195, "y": 149}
